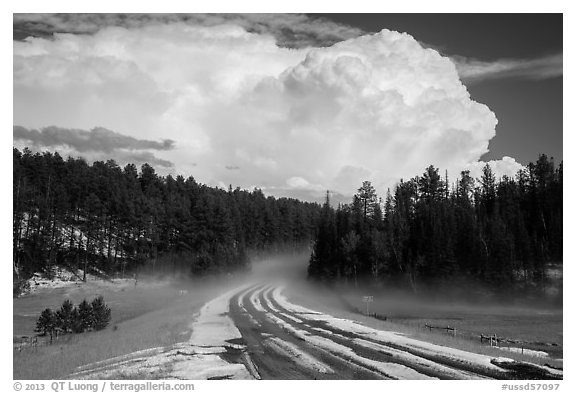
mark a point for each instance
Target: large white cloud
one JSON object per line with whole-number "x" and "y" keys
{"x": 506, "y": 166}
{"x": 377, "y": 107}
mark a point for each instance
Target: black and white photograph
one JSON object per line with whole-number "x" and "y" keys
{"x": 286, "y": 196}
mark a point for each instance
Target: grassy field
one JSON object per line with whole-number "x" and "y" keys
{"x": 409, "y": 315}
{"x": 149, "y": 315}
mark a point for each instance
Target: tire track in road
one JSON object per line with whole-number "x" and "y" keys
{"x": 379, "y": 361}
{"x": 291, "y": 357}
{"x": 366, "y": 346}
{"x": 341, "y": 356}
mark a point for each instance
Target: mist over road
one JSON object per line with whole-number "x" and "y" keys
{"x": 255, "y": 332}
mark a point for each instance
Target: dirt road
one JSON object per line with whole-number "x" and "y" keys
{"x": 255, "y": 332}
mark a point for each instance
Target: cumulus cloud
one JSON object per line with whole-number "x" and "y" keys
{"x": 473, "y": 70}
{"x": 299, "y": 121}
{"x": 507, "y": 166}
{"x": 96, "y": 144}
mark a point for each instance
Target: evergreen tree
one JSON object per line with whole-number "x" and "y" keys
{"x": 85, "y": 315}
{"x": 367, "y": 200}
{"x": 46, "y": 323}
{"x": 101, "y": 313}
{"x": 322, "y": 264}
{"x": 65, "y": 317}
{"x": 497, "y": 232}
{"x": 76, "y": 322}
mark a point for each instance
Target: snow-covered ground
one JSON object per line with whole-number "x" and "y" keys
{"x": 64, "y": 278}
{"x": 213, "y": 332}
{"x": 527, "y": 352}
{"x": 213, "y": 335}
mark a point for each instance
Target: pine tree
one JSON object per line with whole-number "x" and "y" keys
{"x": 76, "y": 322}
{"x": 367, "y": 200}
{"x": 101, "y": 313}
{"x": 46, "y": 323}
{"x": 321, "y": 262}
{"x": 64, "y": 316}
{"x": 85, "y": 315}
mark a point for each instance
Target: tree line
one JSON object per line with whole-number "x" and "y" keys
{"x": 430, "y": 232}
{"x": 102, "y": 217}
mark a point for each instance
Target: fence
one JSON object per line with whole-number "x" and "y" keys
{"x": 34, "y": 342}
{"x": 447, "y": 328}
{"x": 28, "y": 341}
{"x": 493, "y": 339}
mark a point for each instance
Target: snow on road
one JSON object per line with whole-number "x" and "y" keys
{"x": 390, "y": 370}
{"x": 417, "y": 360}
{"x": 213, "y": 327}
{"x": 385, "y": 337}
{"x": 273, "y": 308}
{"x": 202, "y": 357}
{"x": 256, "y": 302}
{"x": 304, "y": 359}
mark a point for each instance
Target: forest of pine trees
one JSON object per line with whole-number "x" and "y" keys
{"x": 500, "y": 232}
{"x": 430, "y": 233}
{"x": 116, "y": 220}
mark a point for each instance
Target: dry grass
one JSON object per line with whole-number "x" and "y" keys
{"x": 142, "y": 318}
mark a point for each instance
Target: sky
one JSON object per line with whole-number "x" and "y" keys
{"x": 292, "y": 104}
